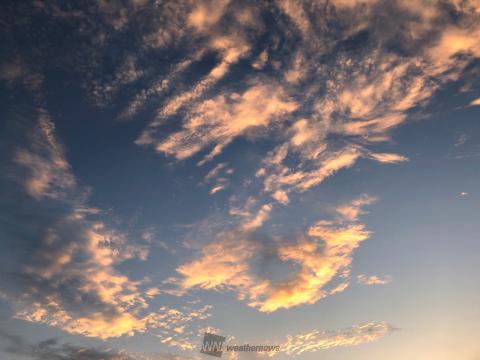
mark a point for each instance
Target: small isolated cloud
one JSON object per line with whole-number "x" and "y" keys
{"x": 352, "y": 210}
{"x": 475, "y": 102}
{"x": 373, "y": 280}
{"x": 462, "y": 139}
{"x": 10, "y": 71}
{"x": 216, "y": 189}
{"x": 388, "y": 158}
{"x": 206, "y": 14}
{"x": 218, "y": 177}
{"x": 325, "y": 105}
{"x": 178, "y": 327}
{"x": 48, "y": 171}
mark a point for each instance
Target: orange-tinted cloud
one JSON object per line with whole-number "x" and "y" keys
{"x": 70, "y": 279}
{"x": 322, "y": 257}
{"x": 216, "y": 122}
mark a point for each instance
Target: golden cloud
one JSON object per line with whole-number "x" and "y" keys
{"x": 218, "y": 121}
{"x": 321, "y": 256}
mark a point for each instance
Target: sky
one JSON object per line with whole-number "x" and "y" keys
{"x": 292, "y": 173}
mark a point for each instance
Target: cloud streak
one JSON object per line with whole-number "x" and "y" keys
{"x": 316, "y": 340}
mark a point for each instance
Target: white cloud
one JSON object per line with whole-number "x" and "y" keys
{"x": 316, "y": 340}
{"x": 373, "y": 280}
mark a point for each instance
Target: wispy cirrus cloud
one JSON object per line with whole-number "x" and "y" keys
{"x": 219, "y": 177}
{"x": 216, "y": 122}
{"x": 316, "y": 340}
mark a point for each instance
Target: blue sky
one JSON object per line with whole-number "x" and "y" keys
{"x": 302, "y": 174}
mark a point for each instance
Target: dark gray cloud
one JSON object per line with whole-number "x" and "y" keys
{"x": 52, "y": 349}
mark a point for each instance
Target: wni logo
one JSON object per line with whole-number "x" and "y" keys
{"x": 212, "y": 344}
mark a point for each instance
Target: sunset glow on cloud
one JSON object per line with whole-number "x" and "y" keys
{"x": 291, "y": 173}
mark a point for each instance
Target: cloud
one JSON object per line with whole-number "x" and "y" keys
{"x": 231, "y": 49}
{"x": 168, "y": 24}
{"x": 218, "y": 176}
{"x": 325, "y": 86}
{"x": 128, "y": 72}
{"x": 316, "y": 340}
{"x": 373, "y": 280}
{"x": 461, "y": 139}
{"x": 216, "y": 122}
{"x": 231, "y": 45}
{"x": 49, "y": 172}
{"x": 475, "y": 102}
{"x": 206, "y": 14}
{"x": 294, "y": 345}
{"x": 10, "y": 71}
{"x": 261, "y": 61}
{"x": 60, "y": 256}
{"x": 178, "y": 327}
{"x": 322, "y": 258}
{"x": 52, "y": 349}
{"x": 66, "y": 277}
{"x": 216, "y": 189}
{"x": 388, "y": 158}
{"x": 222, "y": 264}
{"x": 352, "y": 210}
{"x": 338, "y": 93}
